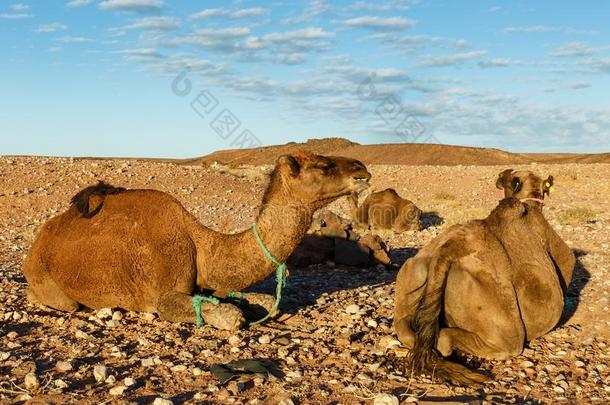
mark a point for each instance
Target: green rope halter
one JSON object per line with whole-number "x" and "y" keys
{"x": 280, "y": 277}
{"x": 281, "y": 272}
{"x": 197, "y": 300}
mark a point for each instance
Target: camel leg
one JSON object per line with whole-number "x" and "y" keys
{"x": 404, "y": 332}
{"x": 44, "y": 291}
{"x": 468, "y": 342}
{"x": 178, "y": 307}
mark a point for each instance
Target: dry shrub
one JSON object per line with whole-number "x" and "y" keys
{"x": 443, "y": 195}
{"x": 576, "y": 216}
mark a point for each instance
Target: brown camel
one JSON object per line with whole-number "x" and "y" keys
{"x": 385, "y": 210}
{"x": 524, "y": 184}
{"x": 142, "y": 251}
{"x": 498, "y": 282}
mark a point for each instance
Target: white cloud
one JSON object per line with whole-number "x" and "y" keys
{"x": 223, "y": 12}
{"x": 574, "y": 49}
{"x": 315, "y": 9}
{"x": 20, "y": 7}
{"x": 52, "y": 27}
{"x": 449, "y": 60}
{"x": 498, "y": 62}
{"x": 15, "y": 16}
{"x": 141, "y": 55}
{"x": 386, "y": 6}
{"x": 546, "y": 29}
{"x": 156, "y": 24}
{"x": 136, "y": 6}
{"x": 69, "y": 39}
{"x": 599, "y": 65}
{"x": 55, "y": 49}
{"x": 78, "y": 3}
{"x": 380, "y": 23}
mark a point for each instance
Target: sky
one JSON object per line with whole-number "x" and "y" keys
{"x": 161, "y": 78}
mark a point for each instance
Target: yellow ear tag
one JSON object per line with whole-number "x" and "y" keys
{"x": 550, "y": 189}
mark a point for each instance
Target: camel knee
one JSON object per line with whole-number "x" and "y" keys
{"x": 404, "y": 332}
{"x": 52, "y": 296}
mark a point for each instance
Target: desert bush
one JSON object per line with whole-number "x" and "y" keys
{"x": 443, "y": 195}
{"x": 576, "y": 216}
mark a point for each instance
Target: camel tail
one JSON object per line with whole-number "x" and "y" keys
{"x": 424, "y": 358}
{"x": 81, "y": 200}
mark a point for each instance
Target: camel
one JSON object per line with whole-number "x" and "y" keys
{"x": 385, "y": 210}
{"x": 484, "y": 287}
{"x": 140, "y": 250}
{"x": 524, "y": 184}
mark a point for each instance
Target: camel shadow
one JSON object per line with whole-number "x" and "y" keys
{"x": 305, "y": 286}
{"x": 430, "y": 219}
{"x": 580, "y": 278}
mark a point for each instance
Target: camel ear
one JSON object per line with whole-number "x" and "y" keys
{"x": 503, "y": 178}
{"x": 548, "y": 185}
{"x": 288, "y": 163}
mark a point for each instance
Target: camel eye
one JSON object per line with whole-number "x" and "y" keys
{"x": 516, "y": 183}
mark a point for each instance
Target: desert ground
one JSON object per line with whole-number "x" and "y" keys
{"x": 334, "y": 342}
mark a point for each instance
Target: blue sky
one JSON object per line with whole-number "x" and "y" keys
{"x": 183, "y": 78}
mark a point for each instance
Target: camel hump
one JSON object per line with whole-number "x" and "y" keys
{"x": 82, "y": 199}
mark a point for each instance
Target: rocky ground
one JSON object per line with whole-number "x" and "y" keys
{"x": 334, "y": 343}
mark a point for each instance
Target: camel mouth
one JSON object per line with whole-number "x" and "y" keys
{"x": 360, "y": 184}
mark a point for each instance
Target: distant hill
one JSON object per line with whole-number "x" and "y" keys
{"x": 402, "y": 154}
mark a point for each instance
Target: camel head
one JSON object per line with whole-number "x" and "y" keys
{"x": 524, "y": 185}
{"x": 313, "y": 180}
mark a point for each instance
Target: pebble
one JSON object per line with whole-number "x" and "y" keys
{"x": 178, "y": 368}
{"x": 558, "y": 390}
{"x": 129, "y": 382}
{"x": 31, "y": 381}
{"x": 286, "y": 401}
{"x": 371, "y": 323}
{"x": 104, "y": 313}
{"x": 386, "y": 399}
{"x": 352, "y": 309}
{"x": 162, "y": 401}
{"x": 264, "y": 339}
{"x": 234, "y": 340}
{"x": 117, "y": 316}
{"x": 118, "y": 390}
{"x": 63, "y": 366}
{"x": 100, "y": 373}
{"x": 59, "y": 383}
{"x": 527, "y": 364}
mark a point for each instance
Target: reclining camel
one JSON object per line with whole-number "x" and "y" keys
{"x": 385, "y": 210}
{"x": 142, "y": 251}
{"x": 497, "y": 282}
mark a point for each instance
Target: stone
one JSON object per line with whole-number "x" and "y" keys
{"x": 385, "y": 399}
{"x": 31, "y": 381}
{"x": 352, "y": 309}
{"x": 104, "y": 313}
{"x": 100, "y": 373}
{"x": 117, "y": 316}
{"x": 63, "y": 366}
{"x": 129, "y": 382}
{"x": 162, "y": 401}
{"x": 118, "y": 390}
{"x": 264, "y": 339}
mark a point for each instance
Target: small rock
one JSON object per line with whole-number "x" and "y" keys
{"x": 178, "y": 368}
{"x": 104, "y": 313}
{"x": 129, "y": 382}
{"x": 162, "y": 401}
{"x": 118, "y": 390}
{"x": 264, "y": 339}
{"x": 371, "y": 323}
{"x": 352, "y": 309}
{"x": 112, "y": 323}
{"x": 4, "y": 356}
{"x": 12, "y": 335}
{"x": 386, "y": 399}
{"x": 234, "y": 340}
{"x": 31, "y": 382}
{"x": 286, "y": 401}
{"x": 59, "y": 383}
{"x": 63, "y": 366}
{"x": 111, "y": 379}
{"x": 197, "y": 371}
{"x": 81, "y": 335}
{"x": 100, "y": 373}
{"x": 527, "y": 364}
{"x": 579, "y": 363}
{"x": 117, "y": 316}
{"x": 558, "y": 390}
{"x": 149, "y": 316}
